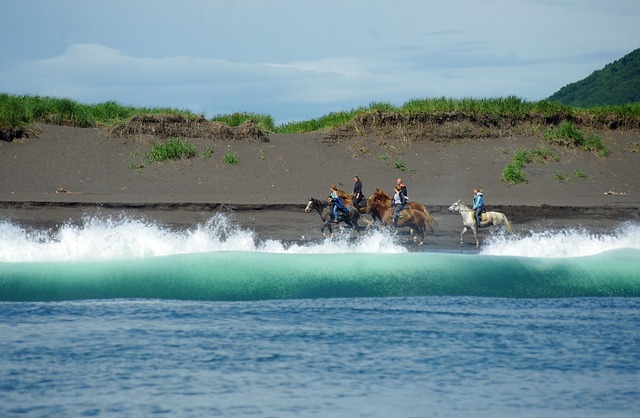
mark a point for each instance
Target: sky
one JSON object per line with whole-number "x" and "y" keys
{"x": 299, "y": 60}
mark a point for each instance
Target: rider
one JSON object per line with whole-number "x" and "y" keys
{"x": 334, "y": 198}
{"x": 357, "y": 196}
{"x": 403, "y": 189}
{"x": 478, "y": 204}
{"x": 399, "y": 202}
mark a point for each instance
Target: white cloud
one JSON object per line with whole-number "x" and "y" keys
{"x": 297, "y": 60}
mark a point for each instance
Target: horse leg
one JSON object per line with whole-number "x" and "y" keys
{"x": 475, "y": 235}
{"x": 416, "y": 230}
{"x": 327, "y": 225}
{"x": 464, "y": 230}
{"x": 356, "y": 227}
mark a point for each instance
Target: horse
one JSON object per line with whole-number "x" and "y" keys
{"x": 416, "y": 220}
{"x": 469, "y": 220}
{"x": 324, "y": 210}
{"x": 380, "y": 196}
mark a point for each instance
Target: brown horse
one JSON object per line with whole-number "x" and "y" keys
{"x": 380, "y": 196}
{"x": 416, "y": 220}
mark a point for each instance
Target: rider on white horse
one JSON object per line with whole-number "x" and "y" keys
{"x": 478, "y": 204}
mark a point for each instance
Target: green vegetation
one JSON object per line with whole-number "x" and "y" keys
{"x": 566, "y": 134}
{"x": 230, "y": 159}
{"x": 561, "y": 176}
{"x": 20, "y": 111}
{"x": 332, "y": 120}
{"x": 171, "y": 149}
{"x": 514, "y": 171}
{"x": 17, "y": 112}
{"x": 399, "y": 164}
{"x": 207, "y": 153}
{"x": 265, "y": 122}
{"x": 618, "y": 83}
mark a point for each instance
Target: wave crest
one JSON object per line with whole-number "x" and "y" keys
{"x": 574, "y": 242}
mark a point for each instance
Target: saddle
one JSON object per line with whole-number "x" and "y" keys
{"x": 483, "y": 217}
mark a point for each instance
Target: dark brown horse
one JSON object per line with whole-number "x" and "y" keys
{"x": 416, "y": 220}
{"x": 380, "y": 196}
{"x": 324, "y": 210}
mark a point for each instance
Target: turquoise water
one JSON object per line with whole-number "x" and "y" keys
{"x": 237, "y": 276}
{"x": 127, "y": 318}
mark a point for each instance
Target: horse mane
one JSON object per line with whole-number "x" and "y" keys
{"x": 380, "y": 194}
{"x": 322, "y": 203}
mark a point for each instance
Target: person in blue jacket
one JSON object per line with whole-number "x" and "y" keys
{"x": 334, "y": 199}
{"x": 478, "y": 204}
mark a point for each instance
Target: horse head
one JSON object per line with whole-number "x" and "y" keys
{"x": 456, "y": 206}
{"x": 376, "y": 208}
{"x": 314, "y": 204}
{"x": 379, "y": 195}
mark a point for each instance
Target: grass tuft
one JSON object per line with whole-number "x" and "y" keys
{"x": 230, "y": 159}
{"x": 513, "y": 172}
{"x": 399, "y": 164}
{"x": 171, "y": 149}
{"x": 561, "y": 176}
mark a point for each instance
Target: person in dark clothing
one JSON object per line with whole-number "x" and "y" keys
{"x": 357, "y": 196}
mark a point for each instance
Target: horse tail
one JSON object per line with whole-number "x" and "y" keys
{"x": 430, "y": 221}
{"x": 507, "y": 224}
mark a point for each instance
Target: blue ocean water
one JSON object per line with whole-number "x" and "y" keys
{"x": 128, "y": 318}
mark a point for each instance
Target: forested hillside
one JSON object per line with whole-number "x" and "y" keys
{"x": 618, "y": 83}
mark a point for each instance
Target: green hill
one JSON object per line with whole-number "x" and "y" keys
{"x": 617, "y": 83}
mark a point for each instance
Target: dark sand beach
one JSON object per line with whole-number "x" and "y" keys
{"x": 66, "y": 174}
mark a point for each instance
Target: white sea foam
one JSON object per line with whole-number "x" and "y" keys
{"x": 563, "y": 243}
{"x": 124, "y": 238}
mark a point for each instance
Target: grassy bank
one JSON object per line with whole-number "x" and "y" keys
{"x": 20, "y": 112}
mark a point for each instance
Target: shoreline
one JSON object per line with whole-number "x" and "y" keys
{"x": 515, "y": 212}
{"x": 290, "y": 225}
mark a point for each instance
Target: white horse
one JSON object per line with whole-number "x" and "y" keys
{"x": 469, "y": 219}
